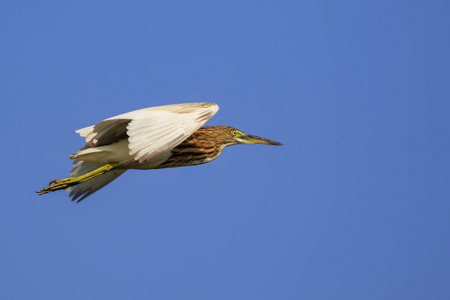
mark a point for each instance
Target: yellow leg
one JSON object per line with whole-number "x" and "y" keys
{"x": 59, "y": 184}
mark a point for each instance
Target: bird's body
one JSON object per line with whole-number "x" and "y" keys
{"x": 151, "y": 138}
{"x": 199, "y": 148}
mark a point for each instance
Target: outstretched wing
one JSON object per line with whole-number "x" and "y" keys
{"x": 151, "y": 131}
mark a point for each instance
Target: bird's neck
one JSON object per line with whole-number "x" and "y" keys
{"x": 199, "y": 148}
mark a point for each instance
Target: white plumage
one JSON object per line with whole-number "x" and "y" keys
{"x": 141, "y": 139}
{"x": 150, "y": 132}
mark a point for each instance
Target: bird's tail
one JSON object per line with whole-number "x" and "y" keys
{"x": 87, "y": 188}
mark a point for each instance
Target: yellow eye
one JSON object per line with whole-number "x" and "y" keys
{"x": 234, "y": 132}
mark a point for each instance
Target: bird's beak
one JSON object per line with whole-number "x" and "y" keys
{"x": 251, "y": 139}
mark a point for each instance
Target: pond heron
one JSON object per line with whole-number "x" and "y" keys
{"x": 150, "y": 138}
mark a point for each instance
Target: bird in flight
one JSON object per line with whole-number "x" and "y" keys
{"x": 151, "y": 138}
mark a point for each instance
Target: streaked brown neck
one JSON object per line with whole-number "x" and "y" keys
{"x": 201, "y": 147}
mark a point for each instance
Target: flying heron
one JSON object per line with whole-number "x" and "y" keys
{"x": 150, "y": 138}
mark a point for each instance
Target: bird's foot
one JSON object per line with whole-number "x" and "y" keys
{"x": 58, "y": 184}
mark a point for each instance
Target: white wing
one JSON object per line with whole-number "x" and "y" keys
{"x": 151, "y": 131}
{"x": 106, "y": 132}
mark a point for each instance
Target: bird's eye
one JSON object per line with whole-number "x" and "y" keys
{"x": 234, "y": 132}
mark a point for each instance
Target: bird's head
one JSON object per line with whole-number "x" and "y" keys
{"x": 234, "y": 136}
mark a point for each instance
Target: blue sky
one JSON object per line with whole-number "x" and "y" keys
{"x": 354, "y": 206}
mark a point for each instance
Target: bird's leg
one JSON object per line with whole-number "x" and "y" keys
{"x": 59, "y": 184}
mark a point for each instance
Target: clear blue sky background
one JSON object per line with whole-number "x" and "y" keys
{"x": 354, "y": 206}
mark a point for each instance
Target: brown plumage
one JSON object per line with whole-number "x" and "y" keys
{"x": 204, "y": 145}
